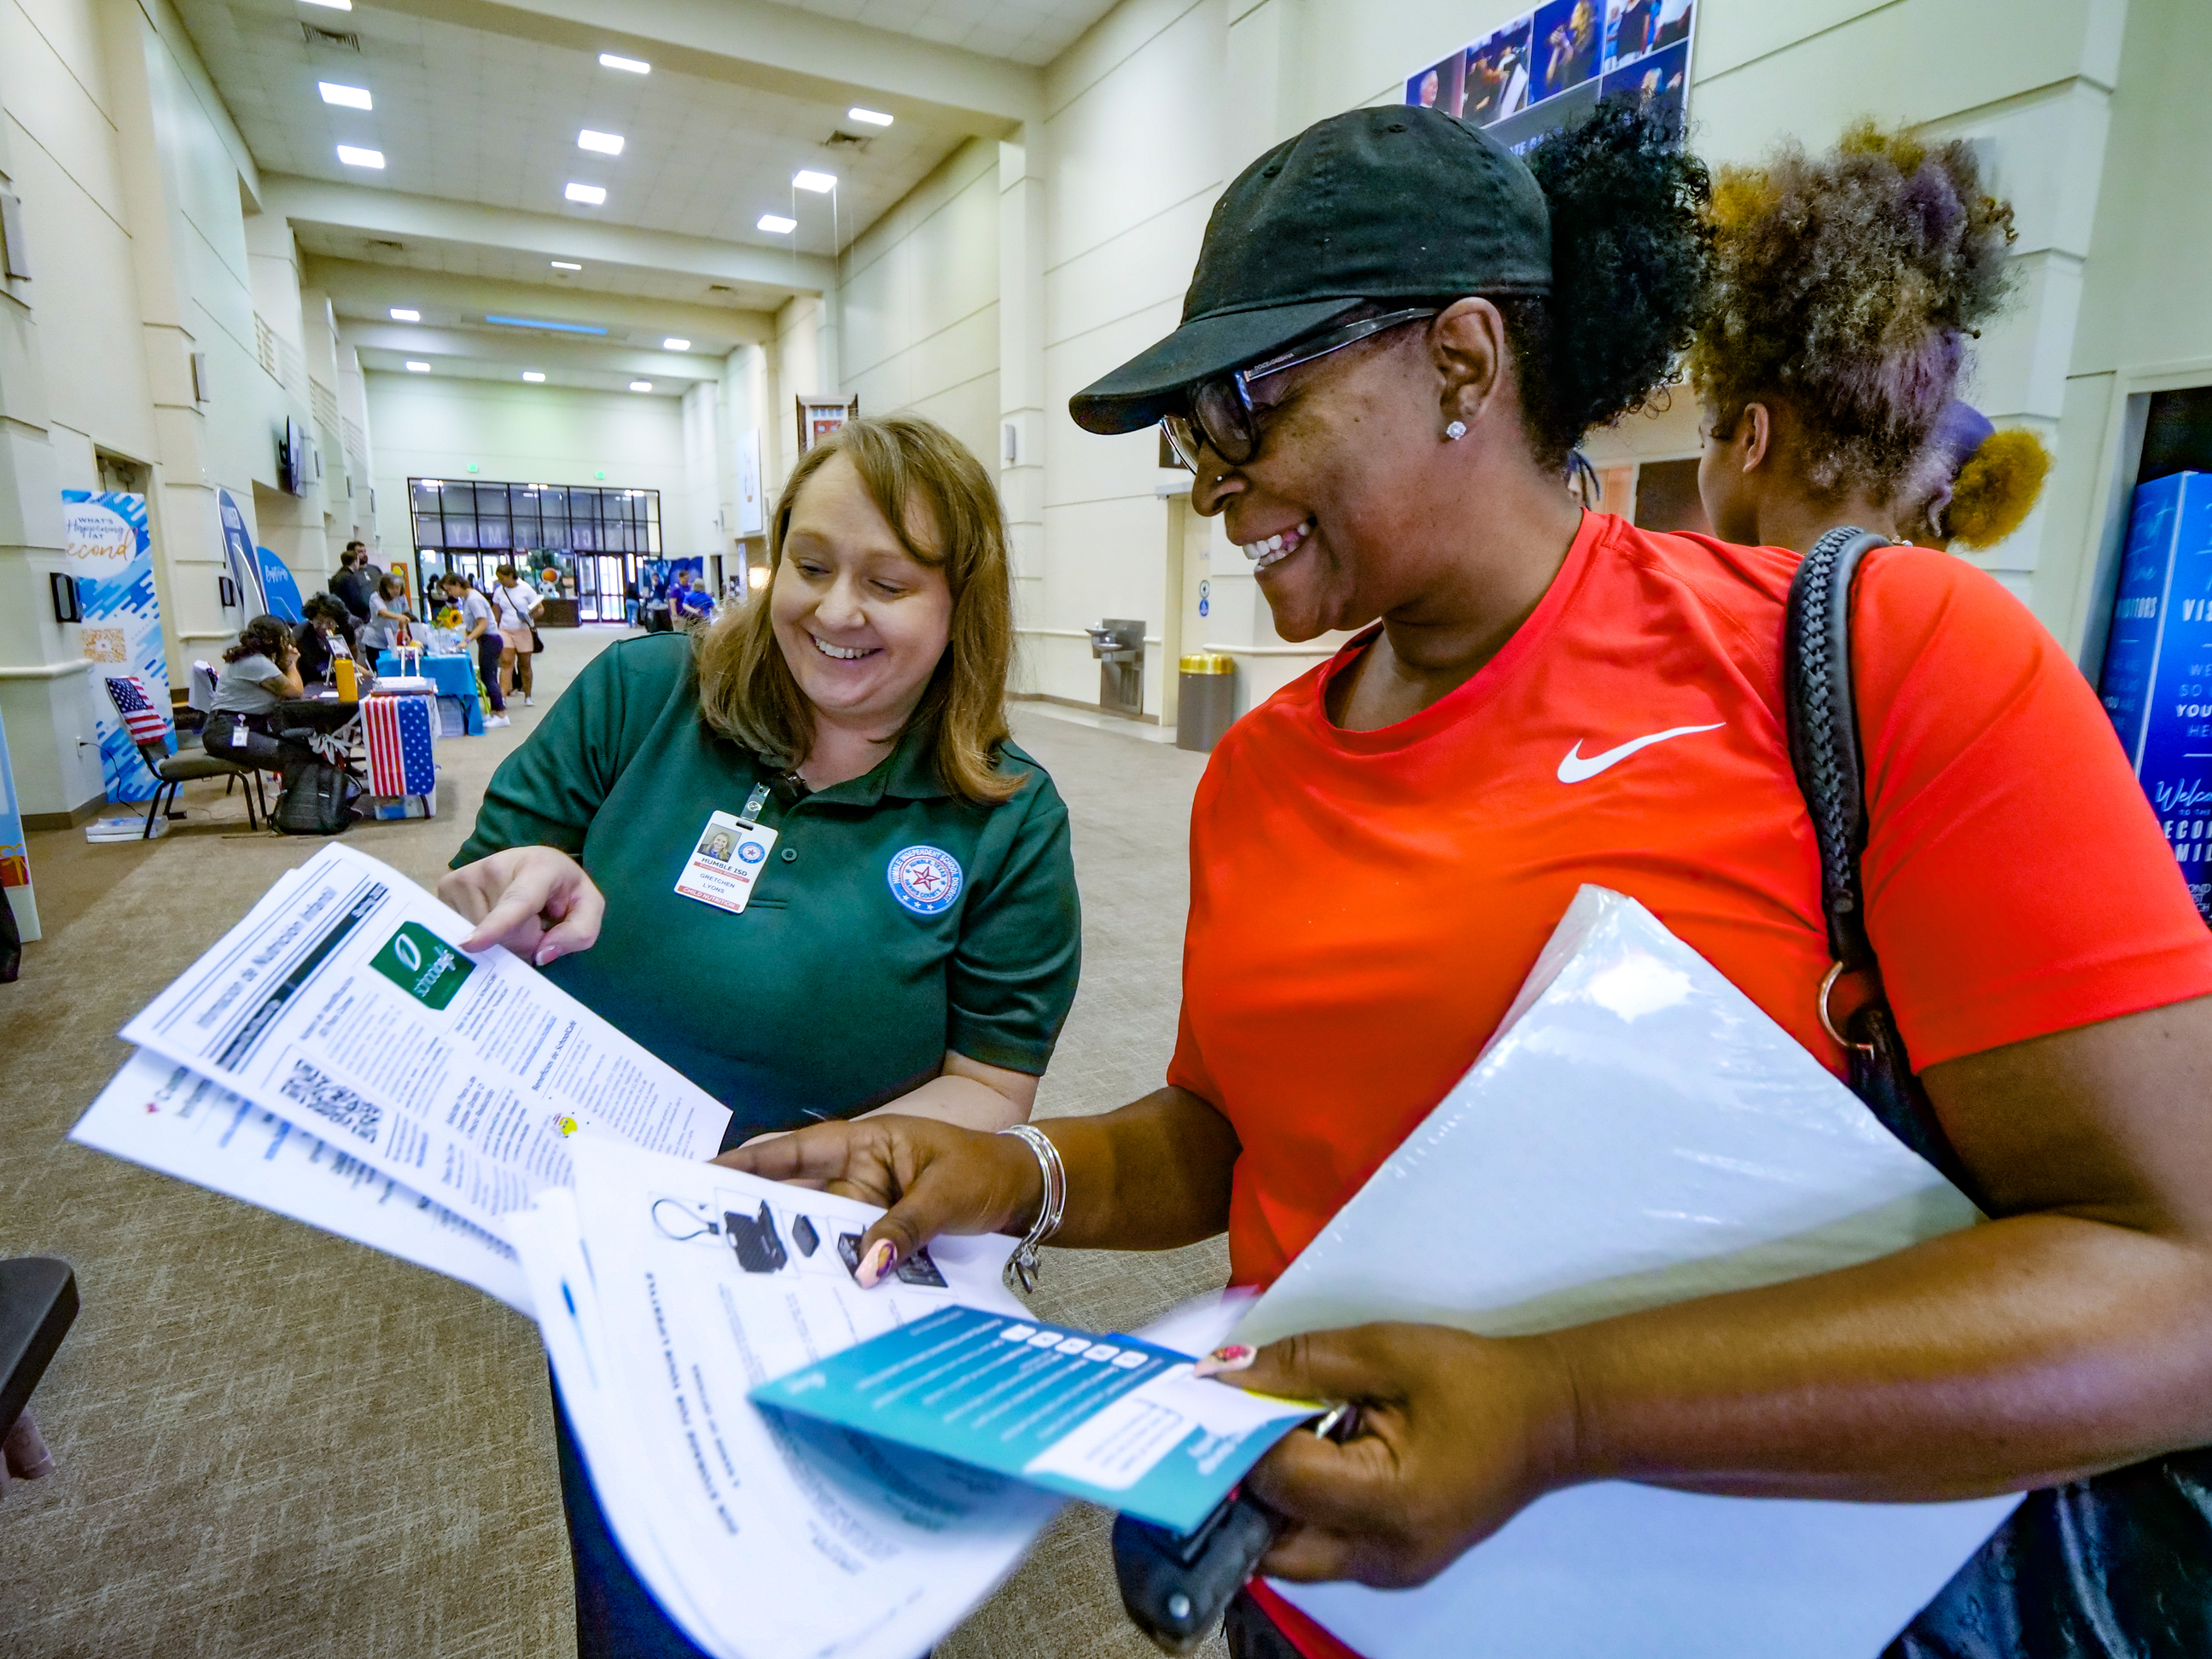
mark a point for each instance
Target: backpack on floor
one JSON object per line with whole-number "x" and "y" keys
{"x": 318, "y": 801}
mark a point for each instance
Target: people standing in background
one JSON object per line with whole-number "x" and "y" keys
{"x": 515, "y": 604}
{"x": 389, "y": 617}
{"x": 482, "y": 638}
{"x": 355, "y": 586}
{"x": 320, "y": 638}
{"x": 1832, "y": 339}
{"x": 687, "y": 604}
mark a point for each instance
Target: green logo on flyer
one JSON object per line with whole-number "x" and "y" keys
{"x": 423, "y": 965}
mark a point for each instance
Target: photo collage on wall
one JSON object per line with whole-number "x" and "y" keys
{"x": 1548, "y": 67}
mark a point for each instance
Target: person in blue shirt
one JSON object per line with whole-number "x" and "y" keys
{"x": 687, "y": 603}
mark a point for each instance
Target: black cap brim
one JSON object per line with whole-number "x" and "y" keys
{"x": 1151, "y": 385}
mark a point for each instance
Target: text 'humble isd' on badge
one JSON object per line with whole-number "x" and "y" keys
{"x": 726, "y": 862}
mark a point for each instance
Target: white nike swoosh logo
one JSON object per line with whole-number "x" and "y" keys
{"x": 1576, "y": 766}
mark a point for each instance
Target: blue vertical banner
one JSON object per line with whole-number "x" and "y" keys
{"x": 14, "y": 854}
{"x": 2157, "y": 679}
{"x": 110, "y": 557}
{"x": 243, "y": 563}
{"x": 280, "y": 592}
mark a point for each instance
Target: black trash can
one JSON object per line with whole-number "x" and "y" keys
{"x": 1206, "y": 700}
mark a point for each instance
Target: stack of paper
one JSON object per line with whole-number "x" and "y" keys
{"x": 1636, "y": 1134}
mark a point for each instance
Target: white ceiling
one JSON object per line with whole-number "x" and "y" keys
{"x": 477, "y": 117}
{"x": 508, "y": 266}
{"x": 1027, "y": 31}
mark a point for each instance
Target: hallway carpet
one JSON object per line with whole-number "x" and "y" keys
{"x": 276, "y": 1444}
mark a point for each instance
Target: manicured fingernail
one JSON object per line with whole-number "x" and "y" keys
{"x": 548, "y": 954}
{"x": 876, "y": 1264}
{"x": 1236, "y": 1356}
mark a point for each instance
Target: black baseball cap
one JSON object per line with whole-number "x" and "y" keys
{"x": 1397, "y": 203}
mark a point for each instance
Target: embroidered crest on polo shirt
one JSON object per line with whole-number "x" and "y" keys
{"x": 925, "y": 879}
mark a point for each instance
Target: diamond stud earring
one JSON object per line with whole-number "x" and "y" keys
{"x": 1455, "y": 431}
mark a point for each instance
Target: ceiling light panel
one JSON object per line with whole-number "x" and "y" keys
{"x": 634, "y": 66}
{"x": 872, "y": 117}
{"x": 348, "y": 97}
{"x": 360, "y": 158}
{"x": 334, "y": 5}
{"x": 566, "y": 264}
{"x": 456, "y": 92}
{"x": 589, "y": 195}
{"x": 605, "y": 143}
{"x": 820, "y": 183}
{"x": 532, "y": 376}
{"x": 674, "y": 344}
{"x": 541, "y": 322}
{"x": 414, "y": 367}
{"x": 776, "y": 225}
{"x": 401, "y": 315}
{"x": 640, "y": 385}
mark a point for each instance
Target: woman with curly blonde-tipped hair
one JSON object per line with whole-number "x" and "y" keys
{"x": 1846, "y": 287}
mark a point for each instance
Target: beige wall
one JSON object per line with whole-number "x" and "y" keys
{"x": 1139, "y": 136}
{"x": 435, "y": 426}
{"x": 137, "y": 190}
{"x": 918, "y": 315}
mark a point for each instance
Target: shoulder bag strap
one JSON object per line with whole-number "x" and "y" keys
{"x": 1822, "y": 712}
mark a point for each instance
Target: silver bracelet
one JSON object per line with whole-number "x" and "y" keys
{"x": 1022, "y": 1265}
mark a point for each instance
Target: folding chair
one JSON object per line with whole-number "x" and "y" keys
{"x": 172, "y": 772}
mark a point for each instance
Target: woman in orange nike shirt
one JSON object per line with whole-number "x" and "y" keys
{"x": 1396, "y": 333}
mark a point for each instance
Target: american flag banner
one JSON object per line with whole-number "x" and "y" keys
{"x": 398, "y": 731}
{"x": 141, "y": 717}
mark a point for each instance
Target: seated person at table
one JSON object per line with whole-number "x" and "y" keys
{"x": 912, "y": 942}
{"x": 258, "y": 673}
{"x": 321, "y": 639}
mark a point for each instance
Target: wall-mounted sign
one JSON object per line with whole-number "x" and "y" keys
{"x": 818, "y": 417}
{"x": 1548, "y": 67}
{"x": 752, "y": 515}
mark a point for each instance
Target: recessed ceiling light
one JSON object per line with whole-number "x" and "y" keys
{"x": 818, "y": 183}
{"x": 673, "y": 344}
{"x": 351, "y": 97}
{"x": 608, "y": 60}
{"x": 566, "y": 264}
{"x": 414, "y": 367}
{"x": 874, "y": 117}
{"x": 591, "y": 195}
{"x": 360, "y": 158}
{"x": 776, "y": 225}
{"x": 401, "y": 315}
{"x": 532, "y": 375}
{"x": 640, "y": 385}
{"x": 606, "y": 143}
{"x": 335, "y": 5}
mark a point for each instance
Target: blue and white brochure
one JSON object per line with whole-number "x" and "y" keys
{"x": 1109, "y": 1418}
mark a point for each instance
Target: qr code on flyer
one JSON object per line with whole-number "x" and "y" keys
{"x": 333, "y": 1101}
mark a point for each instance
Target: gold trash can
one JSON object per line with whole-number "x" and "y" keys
{"x": 1206, "y": 700}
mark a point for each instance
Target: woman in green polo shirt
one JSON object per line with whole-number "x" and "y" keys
{"x": 795, "y": 855}
{"x": 910, "y": 938}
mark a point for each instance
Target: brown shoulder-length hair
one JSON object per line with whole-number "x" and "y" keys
{"x": 746, "y": 691}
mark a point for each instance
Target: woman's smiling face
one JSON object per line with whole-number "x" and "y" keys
{"x": 1335, "y": 494}
{"x": 861, "y": 621}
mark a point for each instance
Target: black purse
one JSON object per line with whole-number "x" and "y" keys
{"x": 2118, "y": 1566}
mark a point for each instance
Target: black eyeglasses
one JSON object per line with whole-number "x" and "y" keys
{"x": 1223, "y": 409}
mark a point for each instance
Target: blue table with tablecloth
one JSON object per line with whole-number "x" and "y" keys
{"x": 454, "y": 676}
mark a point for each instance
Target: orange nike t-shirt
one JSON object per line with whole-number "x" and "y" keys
{"x": 1365, "y": 904}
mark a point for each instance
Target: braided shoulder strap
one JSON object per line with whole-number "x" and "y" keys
{"x": 1822, "y": 712}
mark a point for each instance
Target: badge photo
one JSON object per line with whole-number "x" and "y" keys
{"x": 925, "y": 879}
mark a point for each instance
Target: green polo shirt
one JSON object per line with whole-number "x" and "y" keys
{"x": 840, "y": 987}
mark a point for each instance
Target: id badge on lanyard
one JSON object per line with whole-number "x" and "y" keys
{"x": 731, "y": 854}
